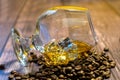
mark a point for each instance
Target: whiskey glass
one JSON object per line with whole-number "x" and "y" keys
{"x": 60, "y": 32}
{"x": 60, "y": 27}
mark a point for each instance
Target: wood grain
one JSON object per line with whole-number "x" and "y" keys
{"x": 105, "y": 16}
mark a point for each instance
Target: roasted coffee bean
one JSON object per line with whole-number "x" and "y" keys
{"x": 106, "y": 49}
{"x": 106, "y": 74}
{"x": 2, "y": 66}
{"x": 92, "y": 75}
{"x": 81, "y": 72}
{"x": 68, "y": 69}
{"x": 97, "y": 72}
{"x": 73, "y": 70}
{"x": 18, "y": 78}
{"x": 49, "y": 79}
{"x": 11, "y": 77}
{"x": 32, "y": 78}
{"x": 99, "y": 78}
{"x": 61, "y": 76}
{"x": 72, "y": 65}
{"x": 93, "y": 79}
{"x": 112, "y": 64}
{"x": 69, "y": 75}
{"x": 78, "y": 67}
{"x": 32, "y": 74}
{"x": 13, "y": 72}
{"x": 54, "y": 77}
{"x": 25, "y": 76}
{"x": 50, "y": 73}
{"x": 106, "y": 63}
{"x": 38, "y": 75}
{"x": 59, "y": 67}
{"x": 55, "y": 69}
{"x": 75, "y": 74}
{"x": 90, "y": 67}
{"x": 102, "y": 67}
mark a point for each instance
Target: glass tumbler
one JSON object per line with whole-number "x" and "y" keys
{"x": 62, "y": 30}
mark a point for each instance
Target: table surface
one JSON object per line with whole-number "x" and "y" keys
{"x": 105, "y": 17}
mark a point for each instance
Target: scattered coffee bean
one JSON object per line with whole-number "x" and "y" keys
{"x": 106, "y": 49}
{"x": 18, "y": 78}
{"x": 2, "y": 66}
{"x": 112, "y": 64}
{"x": 78, "y": 67}
{"x": 11, "y": 77}
{"x": 54, "y": 77}
{"x": 61, "y": 76}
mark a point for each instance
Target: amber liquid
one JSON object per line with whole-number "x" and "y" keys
{"x": 56, "y": 55}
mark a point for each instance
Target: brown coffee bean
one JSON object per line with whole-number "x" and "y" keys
{"x": 13, "y": 72}
{"x": 69, "y": 75}
{"x": 49, "y": 79}
{"x": 11, "y": 77}
{"x": 81, "y": 72}
{"x": 54, "y": 77}
{"x": 106, "y": 49}
{"x": 99, "y": 78}
{"x": 24, "y": 76}
{"x": 38, "y": 75}
{"x": 59, "y": 67}
{"x": 93, "y": 79}
{"x": 61, "y": 76}
{"x": 112, "y": 64}
{"x": 91, "y": 67}
{"x": 68, "y": 69}
{"x": 18, "y": 78}
{"x": 2, "y": 66}
{"x": 55, "y": 69}
{"x": 78, "y": 67}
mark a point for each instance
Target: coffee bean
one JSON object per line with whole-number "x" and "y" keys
{"x": 32, "y": 78}
{"x": 11, "y": 77}
{"x": 2, "y": 66}
{"x": 18, "y": 78}
{"x": 78, "y": 67}
{"x": 69, "y": 75}
{"x": 61, "y": 76}
{"x": 55, "y": 69}
{"x": 81, "y": 72}
{"x": 112, "y": 64}
{"x": 91, "y": 67}
{"x": 13, "y": 72}
{"x": 68, "y": 69}
{"x": 93, "y": 79}
{"x": 54, "y": 77}
{"x": 72, "y": 65}
{"x": 38, "y": 75}
{"x": 24, "y": 76}
{"x": 99, "y": 78}
{"x": 49, "y": 79}
{"x": 106, "y": 49}
{"x": 59, "y": 67}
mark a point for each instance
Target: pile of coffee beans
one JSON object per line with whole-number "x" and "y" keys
{"x": 95, "y": 67}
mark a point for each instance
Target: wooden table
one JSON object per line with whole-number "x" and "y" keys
{"x": 105, "y": 16}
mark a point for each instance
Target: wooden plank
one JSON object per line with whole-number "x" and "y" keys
{"x": 9, "y": 11}
{"x": 114, "y": 5}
